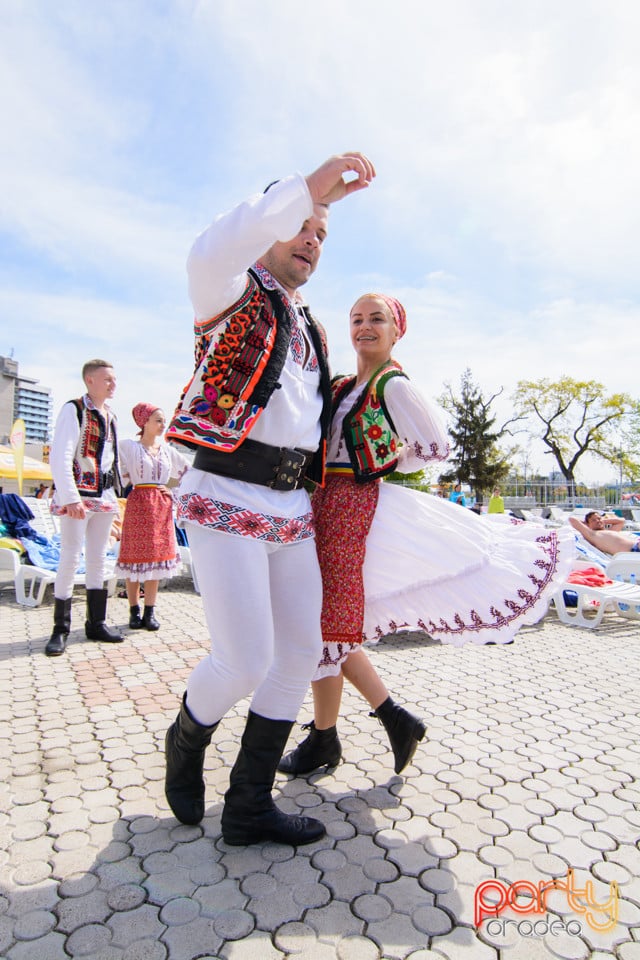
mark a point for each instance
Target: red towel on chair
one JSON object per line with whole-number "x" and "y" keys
{"x": 589, "y": 577}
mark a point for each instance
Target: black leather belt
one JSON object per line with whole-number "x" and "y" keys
{"x": 281, "y": 468}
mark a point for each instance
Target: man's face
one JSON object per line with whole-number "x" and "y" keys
{"x": 293, "y": 262}
{"x": 101, "y": 384}
{"x": 595, "y": 522}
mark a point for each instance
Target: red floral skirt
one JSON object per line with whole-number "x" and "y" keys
{"x": 148, "y": 547}
{"x": 343, "y": 511}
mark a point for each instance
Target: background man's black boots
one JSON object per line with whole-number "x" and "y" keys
{"x": 61, "y": 627}
{"x": 95, "y": 626}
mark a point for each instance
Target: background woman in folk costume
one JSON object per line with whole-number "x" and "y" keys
{"x": 392, "y": 558}
{"x": 148, "y": 548}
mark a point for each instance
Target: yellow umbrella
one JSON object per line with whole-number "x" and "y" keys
{"x": 32, "y": 470}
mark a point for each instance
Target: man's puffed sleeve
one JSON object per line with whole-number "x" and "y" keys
{"x": 221, "y": 254}
{"x": 61, "y": 457}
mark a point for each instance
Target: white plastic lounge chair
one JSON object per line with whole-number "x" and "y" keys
{"x": 29, "y": 582}
{"x": 624, "y": 566}
{"x": 593, "y": 602}
{"x": 527, "y": 515}
{"x": 9, "y": 562}
{"x": 43, "y": 520}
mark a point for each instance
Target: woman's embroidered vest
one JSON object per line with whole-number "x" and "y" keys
{"x": 87, "y": 474}
{"x": 369, "y": 432}
{"x": 239, "y": 356}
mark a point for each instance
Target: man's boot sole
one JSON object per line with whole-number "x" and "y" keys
{"x": 244, "y": 836}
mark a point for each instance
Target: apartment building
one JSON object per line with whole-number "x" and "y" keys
{"x": 22, "y": 397}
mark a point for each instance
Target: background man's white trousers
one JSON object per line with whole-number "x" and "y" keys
{"x": 94, "y": 532}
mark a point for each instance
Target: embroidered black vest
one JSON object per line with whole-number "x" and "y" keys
{"x": 237, "y": 370}
{"x": 369, "y": 432}
{"x": 87, "y": 474}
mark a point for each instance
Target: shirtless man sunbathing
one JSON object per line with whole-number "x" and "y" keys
{"x": 597, "y": 530}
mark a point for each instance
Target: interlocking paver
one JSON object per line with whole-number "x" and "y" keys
{"x": 52, "y": 947}
{"x": 89, "y": 940}
{"x": 463, "y": 944}
{"x": 191, "y": 940}
{"x": 358, "y": 948}
{"x": 406, "y": 894}
{"x": 629, "y": 951}
{"x": 624, "y": 829}
{"x": 495, "y": 855}
{"x": 400, "y": 934}
{"x": 523, "y": 846}
{"x": 334, "y": 921}
{"x": 145, "y": 950}
{"x": 78, "y": 911}
{"x": 282, "y": 908}
{"x": 141, "y": 923}
{"x": 530, "y": 766}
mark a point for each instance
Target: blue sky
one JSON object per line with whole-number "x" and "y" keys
{"x": 505, "y": 214}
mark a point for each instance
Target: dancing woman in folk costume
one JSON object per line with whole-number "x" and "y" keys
{"x": 392, "y": 558}
{"x": 148, "y": 548}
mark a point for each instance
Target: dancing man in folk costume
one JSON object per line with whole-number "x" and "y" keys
{"x": 256, "y": 411}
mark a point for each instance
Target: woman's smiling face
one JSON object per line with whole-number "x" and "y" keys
{"x": 373, "y": 329}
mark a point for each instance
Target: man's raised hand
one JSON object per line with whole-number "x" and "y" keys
{"x": 327, "y": 184}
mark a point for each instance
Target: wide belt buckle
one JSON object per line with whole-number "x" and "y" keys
{"x": 289, "y": 470}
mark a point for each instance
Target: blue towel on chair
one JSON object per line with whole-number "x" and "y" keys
{"x": 46, "y": 555}
{"x": 15, "y": 515}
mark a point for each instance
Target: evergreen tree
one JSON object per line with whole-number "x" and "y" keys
{"x": 476, "y": 459}
{"x": 417, "y": 479}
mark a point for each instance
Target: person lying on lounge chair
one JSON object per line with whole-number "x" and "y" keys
{"x": 597, "y": 530}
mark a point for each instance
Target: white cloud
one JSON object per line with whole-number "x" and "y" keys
{"x": 152, "y": 351}
{"x": 506, "y": 139}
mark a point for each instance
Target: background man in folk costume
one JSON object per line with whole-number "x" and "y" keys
{"x": 84, "y": 465}
{"x": 256, "y": 411}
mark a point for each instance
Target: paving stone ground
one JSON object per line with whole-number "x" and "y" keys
{"x": 530, "y": 770}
